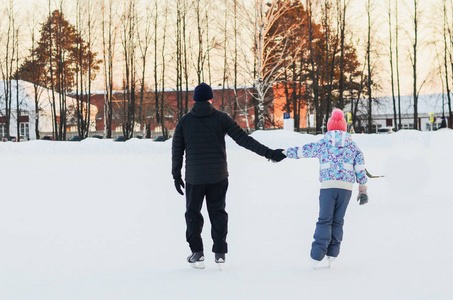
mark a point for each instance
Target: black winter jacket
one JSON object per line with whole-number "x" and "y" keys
{"x": 201, "y": 134}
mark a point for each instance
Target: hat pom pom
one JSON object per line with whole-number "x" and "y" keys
{"x": 337, "y": 114}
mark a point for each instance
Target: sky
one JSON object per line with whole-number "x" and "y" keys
{"x": 429, "y": 27}
{"x": 429, "y": 76}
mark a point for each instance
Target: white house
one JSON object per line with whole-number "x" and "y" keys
{"x": 24, "y": 93}
{"x": 435, "y": 104}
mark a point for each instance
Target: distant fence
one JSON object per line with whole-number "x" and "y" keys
{"x": 115, "y": 134}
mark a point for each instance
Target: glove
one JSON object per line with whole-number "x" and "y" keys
{"x": 363, "y": 196}
{"x": 275, "y": 155}
{"x": 178, "y": 184}
{"x": 292, "y": 152}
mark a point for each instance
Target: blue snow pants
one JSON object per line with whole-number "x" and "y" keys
{"x": 329, "y": 228}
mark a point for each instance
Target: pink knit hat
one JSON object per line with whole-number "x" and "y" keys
{"x": 336, "y": 121}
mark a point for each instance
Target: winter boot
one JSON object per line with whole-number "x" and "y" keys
{"x": 196, "y": 260}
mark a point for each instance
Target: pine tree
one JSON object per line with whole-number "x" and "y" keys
{"x": 55, "y": 63}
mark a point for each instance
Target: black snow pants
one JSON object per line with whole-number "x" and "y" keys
{"x": 215, "y": 194}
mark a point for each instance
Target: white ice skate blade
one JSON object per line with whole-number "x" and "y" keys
{"x": 197, "y": 265}
{"x": 316, "y": 264}
{"x": 320, "y": 267}
{"x": 220, "y": 263}
{"x": 330, "y": 260}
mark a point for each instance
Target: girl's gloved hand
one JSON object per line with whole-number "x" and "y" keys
{"x": 363, "y": 196}
{"x": 292, "y": 152}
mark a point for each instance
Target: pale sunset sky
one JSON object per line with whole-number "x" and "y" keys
{"x": 430, "y": 35}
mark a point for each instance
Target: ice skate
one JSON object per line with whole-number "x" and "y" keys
{"x": 196, "y": 260}
{"x": 315, "y": 263}
{"x": 220, "y": 259}
{"x": 330, "y": 259}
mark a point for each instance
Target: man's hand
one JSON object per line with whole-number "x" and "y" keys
{"x": 276, "y": 155}
{"x": 178, "y": 184}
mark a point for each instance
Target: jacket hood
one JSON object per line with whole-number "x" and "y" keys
{"x": 338, "y": 138}
{"x": 202, "y": 109}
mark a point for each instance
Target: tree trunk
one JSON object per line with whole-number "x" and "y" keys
{"x": 368, "y": 51}
{"x": 400, "y": 125}
{"x": 342, "y": 37}
{"x": 414, "y": 65}
{"x": 447, "y": 78}
{"x": 314, "y": 71}
{"x": 391, "y": 63}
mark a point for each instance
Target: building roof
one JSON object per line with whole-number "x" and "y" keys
{"x": 431, "y": 103}
{"x": 26, "y": 91}
{"x": 26, "y": 95}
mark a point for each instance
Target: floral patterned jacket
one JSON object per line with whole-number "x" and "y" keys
{"x": 339, "y": 156}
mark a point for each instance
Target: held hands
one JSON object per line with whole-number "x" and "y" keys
{"x": 362, "y": 197}
{"x": 178, "y": 184}
{"x": 275, "y": 155}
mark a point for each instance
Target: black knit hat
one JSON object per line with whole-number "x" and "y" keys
{"x": 203, "y": 92}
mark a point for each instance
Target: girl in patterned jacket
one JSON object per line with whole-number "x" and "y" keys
{"x": 341, "y": 164}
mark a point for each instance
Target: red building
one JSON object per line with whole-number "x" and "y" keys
{"x": 239, "y": 107}
{"x": 280, "y": 99}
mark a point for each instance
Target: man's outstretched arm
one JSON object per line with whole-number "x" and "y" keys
{"x": 246, "y": 141}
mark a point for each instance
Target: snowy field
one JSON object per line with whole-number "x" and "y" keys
{"x": 101, "y": 220}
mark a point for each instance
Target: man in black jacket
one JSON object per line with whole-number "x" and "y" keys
{"x": 201, "y": 135}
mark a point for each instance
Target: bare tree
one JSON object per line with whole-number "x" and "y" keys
{"x": 414, "y": 60}
{"x": 231, "y": 64}
{"x": 267, "y": 61}
{"x": 16, "y": 75}
{"x": 235, "y": 62}
{"x": 314, "y": 72}
{"x": 400, "y": 126}
{"x": 414, "y": 49}
{"x": 91, "y": 61}
{"x": 368, "y": 51}
{"x": 331, "y": 49}
{"x": 208, "y": 41}
{"x": 342, "y": 16}
{"x": 391, "y": 61}
{"x": 51, "y": 72}
{"x": 35, "y": 73}
{"x": 201, "y": 54}
{"x": 129, "y": 43}
{"x": 156, "y": 64}
{"x": 360, "y": 90}
{"x": 450, "y": 36}
{"x": 80, "y": 94}
{"x": 159, "y": 83}
{"x": 61, "y": 75}
{"x": 144, "y": 43}
{"x": 179, "y": 58}
{"x": 447, "y": 78}
{"x": 7, "y": 65}
{"x": 225, "y": 59}
{"x": 109, "y": 32}
{"x": 185, "y": 53}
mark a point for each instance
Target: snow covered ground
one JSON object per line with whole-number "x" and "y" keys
{"x": 101, "y": 220}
